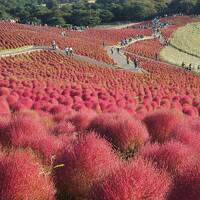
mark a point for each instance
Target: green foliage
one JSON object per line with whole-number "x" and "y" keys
{"x": 81, "y": 12}
{"x": 184, "y": 6}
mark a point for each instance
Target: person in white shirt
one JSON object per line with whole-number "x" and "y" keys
{"x": 71, "y": 51}
{"x": 66, "y": 50}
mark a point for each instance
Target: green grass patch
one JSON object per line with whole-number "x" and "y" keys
{"x": 176, "y": 57}
{"x": 187, "y": 39}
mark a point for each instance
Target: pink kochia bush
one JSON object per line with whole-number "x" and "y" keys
{"x": 138, "y": 180}
{"x": 86, "y": 163}
{"x": 22, "y": 177}
{"x": 82, "y": 119}
{"x": 161, "y": 124}
{"x": 172, "y": 156}
{"x": 182, "y": 163}
{"x": 188, "y": 137}
{"x": 126, "y": 133}
{"x": 25, "y": 130}
{"x": 63, "y": 127}
{"x": 4, "y": 108}
{"x": 187, "y": 184}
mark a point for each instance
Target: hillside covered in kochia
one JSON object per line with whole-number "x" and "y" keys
{"x": 74, "y": 130}
{"x": 83, "y": 12}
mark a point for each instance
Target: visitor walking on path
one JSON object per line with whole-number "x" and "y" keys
{"x": 128, "y": 59}
{"x": 63, "y": 33}
{"x": 157, "y": 56}
{"x": 66, "y": 50}
{"x": 183, "y": 65}
{"x": 190, "y": 67}
{"x": 136, "y": 63}
{"x": 71, "y": 51}
{"x": 53, "y": 44}
{"x": 118, "y": 50}
{"x": 111, "y": 50}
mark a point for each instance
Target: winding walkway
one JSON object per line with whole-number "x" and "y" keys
{"x": 119, "y": 58}
{"x": 22, "y": 50}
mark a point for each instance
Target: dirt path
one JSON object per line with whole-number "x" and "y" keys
{"x": 22, "y": 50}
{"x": 30, "y": 49}
{"x": 118, "y": 26}
{"x": 88, "y": 59}
{"x": 119, "y": 58}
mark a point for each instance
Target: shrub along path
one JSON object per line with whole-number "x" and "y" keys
{"x": 119, "y": 58}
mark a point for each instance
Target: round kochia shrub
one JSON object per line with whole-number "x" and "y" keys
{"x": 187, "y": 184}
{"x": 183, "y": 164}
{"x": 161, "y": 124}
{"x": 21, "y": 128}
{"x": 123, "y": 131}
{"x": 4, "y": 108}
{"x": 138, "y": 180}
{"x": 25, "y": 130}
{"x": 21, "y": 177}
{"x": 63, "y": 127}
{"x": 188, "y": 137}
{"x": 82, "y": 119}
{"x": 172, "y": 156}
{"x": 90, "y": 159}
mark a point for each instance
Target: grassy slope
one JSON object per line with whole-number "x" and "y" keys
{"x": 172, "y": 55}
{"x": 187, "y": 38}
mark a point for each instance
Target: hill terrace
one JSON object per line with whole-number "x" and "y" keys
{"x": 98, "y": 114}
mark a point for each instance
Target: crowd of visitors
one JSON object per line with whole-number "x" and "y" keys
{"x": 126, "y": 41}
{"x": 68, "y": 50}
{"x": 190, "y": 67}
{"x": 157, "y": 26}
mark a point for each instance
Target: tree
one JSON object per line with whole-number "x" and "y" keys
{"x": 183, "y": 6}
{"x": 52, "y": 4}
{"x": 187, "y": 5}
{"x": 80, "y": 12}
{"x": 140, "y": 10}
{"x": 197, "y": 7}
{"x": 106, "y": 15}
{"x": 56, "y": 20}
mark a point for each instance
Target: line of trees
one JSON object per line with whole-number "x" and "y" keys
{"x": 88, "y": 12}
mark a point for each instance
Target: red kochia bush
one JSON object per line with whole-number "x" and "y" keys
{"x": 4, "y": 91}
{"x": 139, "y": 180}
{"x": 87, "y": 162}
{"x": 160, "y": 124}
{"x": 4, "y": 107}
{"x": 21, "y": 178}
{"x": 82, "y": 119}
{"x": 187, "y": 184}
{"x": 173, "y": 156}
{"x": 193, "y": 124}
{"x": 183, "y": 163}
{"x": 123, "y": 131}
{"x": 25, "y": 130}
{"x": 22, "y": 128}
{"x": 188, "y": 137}
{"x": 63, "y": 128}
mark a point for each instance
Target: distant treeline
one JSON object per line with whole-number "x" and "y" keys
{"x": 88, "y": 12}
